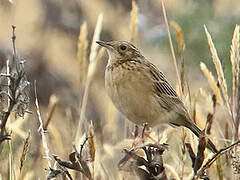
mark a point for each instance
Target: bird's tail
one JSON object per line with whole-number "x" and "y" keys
{"x": 195, "y": 129}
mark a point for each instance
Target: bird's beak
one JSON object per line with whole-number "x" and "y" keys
{"x": 105, "y": 44}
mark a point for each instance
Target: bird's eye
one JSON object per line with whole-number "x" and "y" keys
{"x": 123, "y": 47}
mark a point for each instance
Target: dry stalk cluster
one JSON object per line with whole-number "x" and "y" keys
{"x": 14, "y": 90}
{"x": 149, "y": 168}
{"x": 231, "y": 102}
{"x": 76, "y": 162}
{"x": 220, "y": 92}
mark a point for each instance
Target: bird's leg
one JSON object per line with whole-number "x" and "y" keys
{"x": 136, "y": 132}
{"x": 135, "y": 135}
{"x": 146, "y": 133}
{"x": 139, "y": 138}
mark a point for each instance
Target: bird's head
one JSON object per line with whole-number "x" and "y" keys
{"x": 120, "y": 49}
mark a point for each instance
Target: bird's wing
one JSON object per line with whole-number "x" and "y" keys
{"x": 167, "y": 96}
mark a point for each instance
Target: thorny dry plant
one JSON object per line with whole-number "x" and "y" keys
{"x": 76, "y": 162}
{"x": 149, "y": 168}
{"x": 14, "y": 90}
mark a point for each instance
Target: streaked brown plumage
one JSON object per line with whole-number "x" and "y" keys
{"x": 141, "y": 92}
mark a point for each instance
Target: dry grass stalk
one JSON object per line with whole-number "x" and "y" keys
{"x": 52, "y": 106}
{"x": 25, "y": 150}
{"x": 41, "y": 129}
{"x": 219, "y": 69}
{"x": 111, "y": 119}
{"x": 181, "y": 47}
{"x": 99, "y": 60}
{"x": 201, "y": 147}
{"x": 134, "y": 23}
{"x": 234, "y": 57}
{"x": 219, "y": 169}
{"x": 16, "y": 125}
{"x": 183, "y": 151}
{"x": 76, "y": 162}
{"x": 214, "y": 158}
{"x": 212, "y": 83}
{"x": 179, "y": 36}
{"x": 91, "y": 144}
{"x": 172, "y": 170}
{"x": 56, "y": 137}
{"x": 153, "y": 165}
{"x": 10, "y": 161}
{"x": 96, "y": 36}
{"x": 200, "y": 154}
{"x": 172, "y": 49}
{"x": 82, "y": 53}
{"x": 91, "y": 72}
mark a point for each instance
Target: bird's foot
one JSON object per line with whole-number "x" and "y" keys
{"x": 139, "y": 138}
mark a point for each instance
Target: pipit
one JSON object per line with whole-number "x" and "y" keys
{"x": 141, "y": 92}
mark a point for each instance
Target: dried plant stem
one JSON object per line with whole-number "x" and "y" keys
{"x": 220, "y": 73}
{"x": 9, "y": 107}
{"x": 179, "y": 36}
{"x": 10, "y": 102}
{"x": 212, "y": 83}
{"x": 90, "y": 73}
{"x": 52, "y": 107}
{"x": 83, "y": 108}
{"x": 10, "y": 160}
{"x": 41, "y": 129}
{"x": 234, "y": 57}
{"x": 13, "y": 40}
{"x": 134, "y": 22}
{"x": 237, "y": 114}
{"x": 171, "y": 47}
{"x": 96, "y": 35}
{"x": 82, "y": 53}
{"x": 214, "y": 158}
{"x": 25, "y": 150}
{"x": 172, "y": 170}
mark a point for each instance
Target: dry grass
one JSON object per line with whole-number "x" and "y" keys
{"x": 172, "y": 50}
{"x": 97, "y": 142}
{"x": 82, "y": 53}
{"x": 234, "y": 57}
{"x": 219, "y": 69}
{"x": 134, "y": 23}
{"x": 90, "y": 72}
{"x": 41, "y": 130}
{"x": 212, "y": 83}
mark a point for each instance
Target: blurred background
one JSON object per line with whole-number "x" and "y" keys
{"x": 47, "y": 36}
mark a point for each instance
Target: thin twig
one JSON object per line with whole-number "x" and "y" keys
{"x": 52, "y": 106}
{"x": 41, "y": 129}
{"x": 214, "y": 158}
{"x": 14, "y": 40}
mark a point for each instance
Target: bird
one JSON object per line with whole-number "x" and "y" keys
{"x": 141, "y": 92}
